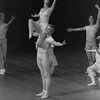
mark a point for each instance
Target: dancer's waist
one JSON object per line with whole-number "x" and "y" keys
{"x": 41, "y": 50}
{"x": 87, "y": 40}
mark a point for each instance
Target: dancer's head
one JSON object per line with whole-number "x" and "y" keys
{"x": 50, "y": 29}
{"x": 2, "y": 17}
{"x": 46, "y": 2}
{"x": 91, "y": 19}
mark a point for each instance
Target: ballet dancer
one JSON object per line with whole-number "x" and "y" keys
{"x": 91, "y": 31}
{"x": 44, "y": 16}
{"x": 43, "y": 60}
{"x": 95, "y": 68}
{"x": 3, "y": 40}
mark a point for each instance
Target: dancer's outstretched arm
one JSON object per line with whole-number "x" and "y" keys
{"x": 53, "y": 42}
{"x": 53, "y": 5}
{"x": 9, "y": 23}
{"x": 98, "y": 16}
{"x": 76, "y": 29}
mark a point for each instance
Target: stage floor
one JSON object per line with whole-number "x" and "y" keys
{"x": 22, "y": 80}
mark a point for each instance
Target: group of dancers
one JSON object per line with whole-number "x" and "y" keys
{"x": 46, "y": 60}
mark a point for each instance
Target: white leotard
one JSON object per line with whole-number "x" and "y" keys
{"x": 44, "y": 19}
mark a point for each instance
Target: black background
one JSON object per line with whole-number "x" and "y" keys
{"x": 67, "y": 13}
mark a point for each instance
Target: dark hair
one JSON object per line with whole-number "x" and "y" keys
{"x": 2, "y": 13}
{"x": 51, "y": 28}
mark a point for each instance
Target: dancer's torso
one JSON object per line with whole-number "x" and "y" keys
{"x": 44, "y": 16}
{"x": 3, "y": 30}
{"x": 46, "y": 44}
{"x": 90, "y": 33}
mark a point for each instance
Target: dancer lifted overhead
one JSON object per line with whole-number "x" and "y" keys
{"x": 44, "y": 16}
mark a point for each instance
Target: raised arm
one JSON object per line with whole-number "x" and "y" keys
{"x": 12, "y": 18}
{"x": 53, "y": 5}
{"x": 58, "y": 43}
{"x": 98, "y": 16}
{"x": 76, "y": 29}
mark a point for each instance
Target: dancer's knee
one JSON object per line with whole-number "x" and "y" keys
{"x": 90, "y": 71}
{"x": 47, "y": 75}
{"x": 30, "y": 20}
{"x": 42, "y": 75}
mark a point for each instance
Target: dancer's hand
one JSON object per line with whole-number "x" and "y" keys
{"x": 35, "y": 15}
{"x": 98, "y": 37}
{"x": 97, "y": 6}
{"x": 69, "y": 29}
{"x": 13, "y": 17}
{"x": 64, "y": 42}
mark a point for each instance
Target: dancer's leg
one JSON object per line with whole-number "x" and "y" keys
{"x": 52, "y": 61}
{"x": 91, "y": 74}
{"x": 4, "y": 52}
{"x": 90, "y": 59}
{"x": 4, "y": 49}
{"x": 30, "y": 26}
{"x": 39, "y": 63}
{"x": 45, "y": 62}
{"x": 33, "y": 27}
{"x": 1, "y": 60}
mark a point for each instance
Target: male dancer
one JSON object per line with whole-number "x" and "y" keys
{"x": 91, "y": 31}
{"x": 44, "y": 60}
{"x": 3, "y": 41}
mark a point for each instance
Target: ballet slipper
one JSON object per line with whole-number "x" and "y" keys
{"x": 45, "y": 95}
{"x": 40, "y": 94}
{"x": 91, "y": 84}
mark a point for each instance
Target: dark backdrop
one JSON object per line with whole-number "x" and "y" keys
{"x": 67, "y": 13}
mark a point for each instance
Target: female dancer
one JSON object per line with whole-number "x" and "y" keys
{"x": 43, "y": 60}
{"x": 95, "y": 67}
{"x": 44, "y": 15}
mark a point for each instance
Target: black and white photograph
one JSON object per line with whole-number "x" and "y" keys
{"x": 49, "y": 50}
